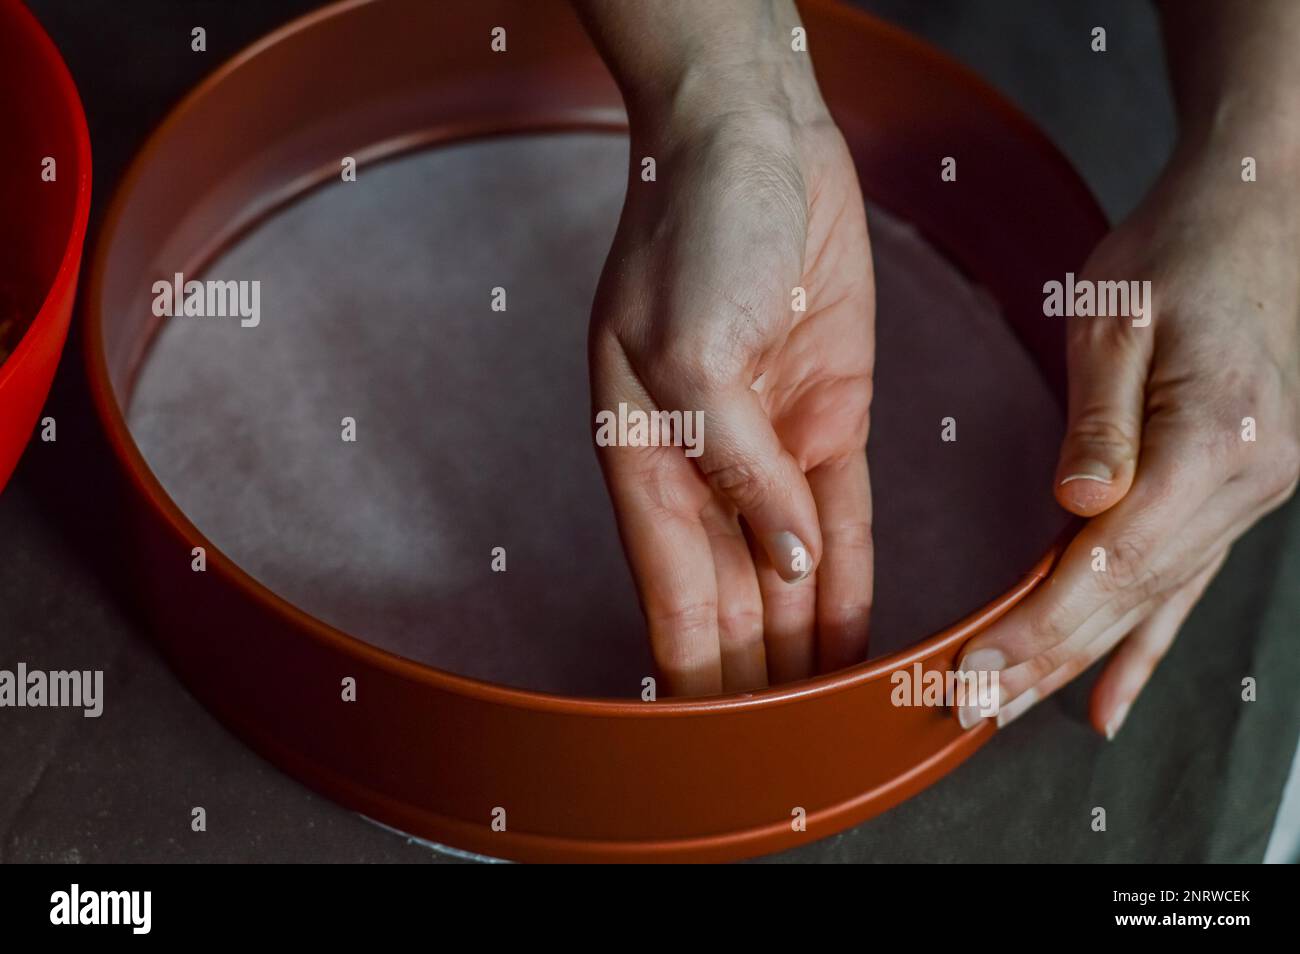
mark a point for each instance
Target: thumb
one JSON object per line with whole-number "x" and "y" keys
{"x": 744, "y": 460}
{"x": 1108, "y": 361}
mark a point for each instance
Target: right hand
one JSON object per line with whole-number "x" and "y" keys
{"x": 695, "y": 313}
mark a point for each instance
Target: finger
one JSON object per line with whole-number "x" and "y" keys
{"x": 740, "y": 603}
{"x": 789, "y": 621}
{"x": 842, "y": 491}
{"x": 1108, "y": 361}
{"x": 1150, "y": 615}
{"x": 672, "y": 562}
{"x": 1129, "y": 670}
{"x": 1146, "y": 545}
{"x": 658, "y": 497}
{"x": 745, "y": 462}
{"x": 1077, "y": 663}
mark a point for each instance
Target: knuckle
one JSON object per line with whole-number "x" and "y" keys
{"x": 740, "y": 627}
{"x": 1159, "y": 487}
{"x": 1114, "y": 347}
{"x": 684, "y": 363}
{"x": 689, "y": 617}
{"x": 1044, "y": 664}
{"x": 1130, "y": 569}
{"x": 843, "y": 614}
{"x": 704, "y": 357}
{"x": 853, "y": 536}
{"x": 742, "y": 482}
{"x": 661, "y": 488}
{"x": 1099, "y": 430}
{"x": 679, "y": 636}
{"x": 784, "y": 602}
{"x": 1045, "y": 631}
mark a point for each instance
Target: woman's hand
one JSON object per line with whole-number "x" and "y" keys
{"x": 1181, "y": 434}
{"x": 753, "y": 559}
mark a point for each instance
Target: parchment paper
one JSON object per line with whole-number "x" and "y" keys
{"x": 473, "y": 426}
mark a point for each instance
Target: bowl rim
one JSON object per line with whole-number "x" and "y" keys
{"x": 113, "y": 417}
{"x": 46, "y": 318}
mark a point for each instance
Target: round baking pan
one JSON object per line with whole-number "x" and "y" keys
{"x": 385, "y": 536}
{"x": 443, "y": 756}
{"x": 44, "y": 208}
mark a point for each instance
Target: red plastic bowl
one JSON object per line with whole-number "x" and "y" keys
{"x": 44, "y": 221}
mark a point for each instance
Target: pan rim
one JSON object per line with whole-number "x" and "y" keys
{"x": 112, "y": 414}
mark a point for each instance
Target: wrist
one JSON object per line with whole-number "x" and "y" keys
{"x": 738, "y": 57}
{"x": 685, "y": 66}
{"x": 1226, "y": 237}
{"x": 1231, "y": 132}
{"x": 703, "y": 97}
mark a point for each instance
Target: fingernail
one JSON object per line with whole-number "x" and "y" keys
{"x": 1091, "y": 470}
{"x": 792, "y": 560}
{"x": 980, "y": 660}
{"x": 1017, "y": 707}
{"x": 1116, "y": 721}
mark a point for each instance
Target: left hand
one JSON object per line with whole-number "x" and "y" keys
{"x": 1157, "y": 450}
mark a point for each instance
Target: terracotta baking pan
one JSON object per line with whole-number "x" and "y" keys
{"x": 434, "y": 753}
{"x": 44, "y": 210}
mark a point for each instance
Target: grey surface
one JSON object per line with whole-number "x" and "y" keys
{"x": 1110, "y": 113}
{"x": 1195, "y": 775}
{"x": 474, "y": 426}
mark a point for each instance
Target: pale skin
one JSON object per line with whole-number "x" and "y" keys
{"x": 751, "y": 559}
{"x": 755, "y": 195}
